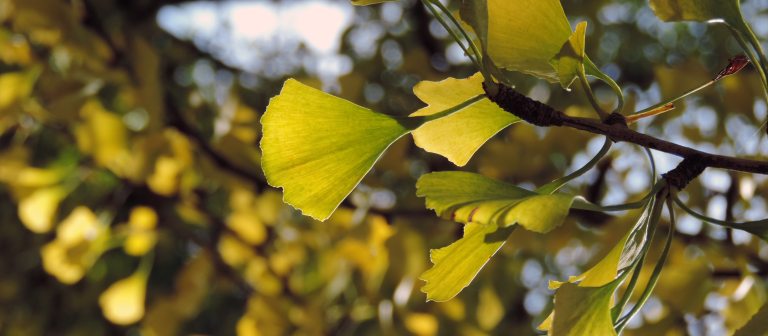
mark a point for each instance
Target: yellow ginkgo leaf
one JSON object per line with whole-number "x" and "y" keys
{"x": 421, "y": 324}
{"x": 475, "y": 123}
{"x": 246, "y": 225}
{"x": 80, "y": 240}
{"x": 318, "y": 147}
{"x": 123, "y": 302}
{"x": 37, "y": 211}
{"x": 142, "y": 236}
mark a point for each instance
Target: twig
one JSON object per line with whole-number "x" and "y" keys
{"x": 543, "y": 115}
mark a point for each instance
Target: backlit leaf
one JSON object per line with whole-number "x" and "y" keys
{"x": 457, "y": 264}
{"x": 523, "y": 35}
{"x": 583, "y": 310}
{"x": 459, "y": 135}
{"x": 318, "y": 147}
{"x": 697, "y": 10}
{"x": 467, "y": 197}
{"x": 569, "y": 62}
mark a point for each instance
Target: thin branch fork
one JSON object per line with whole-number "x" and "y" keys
{"x": 543, "y": 115}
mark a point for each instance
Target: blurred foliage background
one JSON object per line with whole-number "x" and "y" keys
{"x": 132, "y": 201}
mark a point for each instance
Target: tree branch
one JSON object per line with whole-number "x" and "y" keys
{"x": 540, "y": 114}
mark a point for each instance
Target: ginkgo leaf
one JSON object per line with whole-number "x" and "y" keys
{"x": 583, "y": 310}
{"x": 602, "y": 273}
{"x": 38, "y": 210}
{"x": 318, "y": 147}
{"x": 697, "y": 10}
{"x": 712, "y": 11}
{"x": 457, "y": 264}
{"x": 569, "y": 62}
{"x": 523, "y": 35}
{"x": 123, "y": 302}
{"x": 621, "y": 256}
{"x": 756, "y": 324}
{"x": 459, "y": 135}
{"x": 467, "y": 197}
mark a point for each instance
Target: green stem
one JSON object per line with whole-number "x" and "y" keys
{"x": 673, "y": 100}
{"x": 470, "y": 53}
{"x": 420, "y": 120}
{"x": 582, "y": 204}
{"x": 654, "y": 276}
{"x": 741, "y": 226}
{"x": 756, "y": 61}
{"x": 591, "y": 95}
{"x": 475, "y": 50}
{"x": 619, "y": 307}
{"x": 592, "y": 70}
{"x": 555, "y": 185}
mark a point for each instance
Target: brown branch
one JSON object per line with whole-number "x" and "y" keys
{"x": 543, "y": 115}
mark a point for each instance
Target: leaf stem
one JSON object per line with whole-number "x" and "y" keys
{"x": 420, "y": 120}
{"x": 591, "y": 95}
{"x": 656, "y": 272}
{"x": 592, "y": 70}
{"x": 471, "y": 49}
{"x": 555, "y": 185}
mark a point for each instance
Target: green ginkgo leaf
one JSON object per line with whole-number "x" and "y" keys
{"x": 459, "y": 135}
{"x": 602, "y": 273}
{"x": 569, "y": 62}
{"x": 583, "y": 311}
{"x": 621, "y": 256}
{"x": 457, "y": 264}
{"x": 466, "y": 197}
{"x": 524, "y": 35}
{"x": 318, "y": 147}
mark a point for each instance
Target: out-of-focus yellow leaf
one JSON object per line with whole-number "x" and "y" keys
{"x": 246, "y": 224}
{"x": 165, "y": 179}
{"x": 421, "y": 324}
{"x": 234, "y": 251}
{"x": 192, "y": 285}
{"x": 142, "y": 235}
{"x": 257, "y": 273}
{"x": 262, "y": 317}
{"x": 105, "y": 137}
{"x": 80, "y": 240}
{"x": 123, "y": 302}
{"x": 459, "y": 135}
{"x": 15, "y": 86}
{"x": 14, "y": 49}
{"x": 38, "y": 210}
{"x": 490, "y": 308}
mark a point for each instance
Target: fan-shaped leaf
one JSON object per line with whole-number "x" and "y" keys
{"x": 569, "y": 62}
{"x": 467, "y": 197}
{"x": 457, "y": 264}
{"x": 459, "y": 135}
{"x": 583, "y": 310}
{"x": 318, "y": 147}
{"x": 523, "y": 35}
